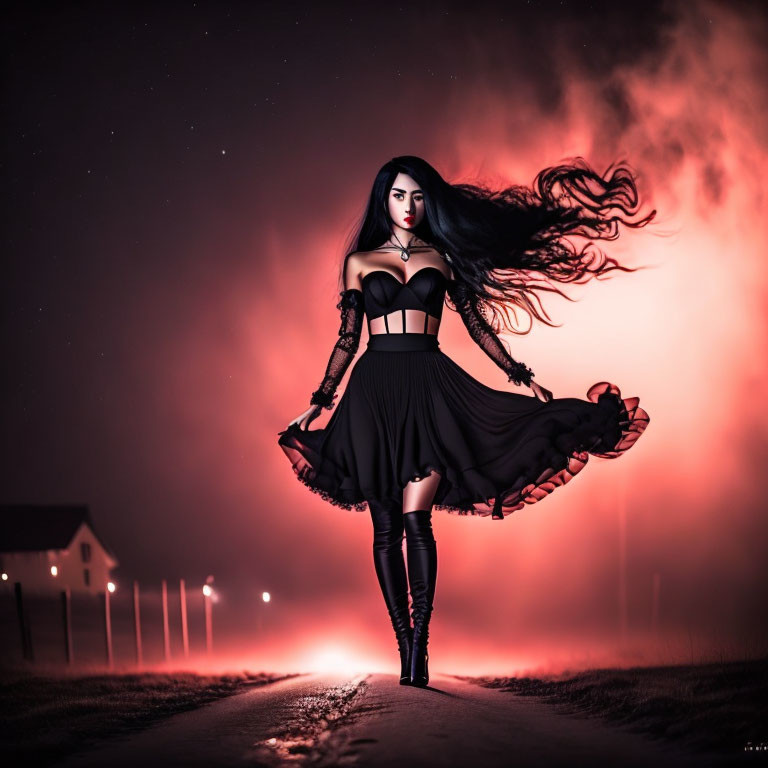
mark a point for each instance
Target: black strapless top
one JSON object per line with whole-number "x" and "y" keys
{"x": 384, "y": 293}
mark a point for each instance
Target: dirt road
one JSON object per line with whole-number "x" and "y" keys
{"x": 372, "y": 721}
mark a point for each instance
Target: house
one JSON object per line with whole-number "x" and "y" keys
{"x": 49, "y": 547}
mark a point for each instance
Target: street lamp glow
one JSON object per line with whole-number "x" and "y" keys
{"x": 207, "y": 591}
{"x": 111, "y": 586}
{"x": 54, "y": 570}
{"x": 266, "y": 597}
{"x": 5, "y": 577}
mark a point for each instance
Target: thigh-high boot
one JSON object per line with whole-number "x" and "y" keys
{"x": 422, "y": 575}
{"x": 390, "y": 571}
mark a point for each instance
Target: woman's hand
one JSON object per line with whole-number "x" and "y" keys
{"x": 541, "y": 392}
{"x": 306, "y": 418}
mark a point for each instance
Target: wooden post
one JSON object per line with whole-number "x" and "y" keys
{"x": 26, "y": 635}
{"x": 166, "y": 635}
{"x": 655, "y": 607}
{"x": 108, "y": 629}
{"x": 66, "y": 615}
{"x": 137, "y": 623}
{"x": 622, "y": 513}
{"x": 184, "y": 630}
{"x": 208, "y": 624}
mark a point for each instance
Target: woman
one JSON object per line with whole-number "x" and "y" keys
{"x": 413, "y": 430}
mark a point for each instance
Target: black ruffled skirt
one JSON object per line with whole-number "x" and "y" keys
{"x": 409, "y": 409}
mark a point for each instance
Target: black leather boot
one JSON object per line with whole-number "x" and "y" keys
{"x": 422, "y": 574}
{"x": 390, "y": 571}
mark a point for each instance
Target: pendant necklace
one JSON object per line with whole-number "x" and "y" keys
{"x": 405, "y": 250}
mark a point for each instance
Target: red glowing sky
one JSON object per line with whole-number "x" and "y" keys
{"x": 180, "y": 203}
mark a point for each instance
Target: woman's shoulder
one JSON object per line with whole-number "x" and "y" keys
{"x": 355, "y": 260}
{"x": 356, "y": 255}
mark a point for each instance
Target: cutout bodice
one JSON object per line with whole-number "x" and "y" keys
{"x": 384, "y": 293}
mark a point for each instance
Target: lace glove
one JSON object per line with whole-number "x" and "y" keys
{"x": 483, "y": 335}
{"x": 351, "y": 306}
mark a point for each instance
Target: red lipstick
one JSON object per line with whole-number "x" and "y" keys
{"x": 409, "y": 219}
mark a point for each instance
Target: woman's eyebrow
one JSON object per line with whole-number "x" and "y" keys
{"x": 395, "y": 189}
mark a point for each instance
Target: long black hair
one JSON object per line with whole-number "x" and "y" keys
{"x": 505, "y": 245}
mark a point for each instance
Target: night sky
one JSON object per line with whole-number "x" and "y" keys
{"x": 180, "y": 179}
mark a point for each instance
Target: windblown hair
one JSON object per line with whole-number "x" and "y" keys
{"x": 507, "y": 245}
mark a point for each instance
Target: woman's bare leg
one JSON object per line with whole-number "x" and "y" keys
{"x": 418, "y": 494}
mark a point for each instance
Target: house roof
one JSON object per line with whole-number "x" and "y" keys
{"x": 40, "y": 527}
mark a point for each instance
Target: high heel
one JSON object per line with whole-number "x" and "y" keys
{"x": 405, "y": 645}
{"x": 419, "y": 671}
{"x": 401, "y": 622}
{"x": 422, "y": 574}
{"x": 390, "y": 570}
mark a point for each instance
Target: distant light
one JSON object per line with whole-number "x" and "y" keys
{"x": 334, "y": 658}
{"x": 266, "y": 597}
{"x": 207, "y": 591}
{"x": 54, "y": 570}
{"x": 5, "y": 577}
{"x": 111, "y": 586}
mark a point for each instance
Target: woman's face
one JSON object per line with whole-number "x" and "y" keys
{"x": 406, "y": 202}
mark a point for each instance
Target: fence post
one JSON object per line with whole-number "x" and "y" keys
{"x": 655, "y": 607}
{"x": 137, "y": 623}
{"x": 184, "y": 630}
{"x": 108, "y": 629}
{"x": 621, "y": 493}
{"x": 166, "y": 636}
{"x": 26, "y": 635}
{"x": 66, "y": 615}
{"x": 208, "y": 623}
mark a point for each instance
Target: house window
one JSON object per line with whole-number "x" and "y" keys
{"x": 85, "y": 551}
{"x": 87, "y": 576}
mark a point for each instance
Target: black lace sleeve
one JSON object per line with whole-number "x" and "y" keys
{"x": 483, "y": 335}
{"x": 351, "y": 306}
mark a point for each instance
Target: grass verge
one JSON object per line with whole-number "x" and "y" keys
{"x": 44, "y": 718}
{"x": 708, "y": 708}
